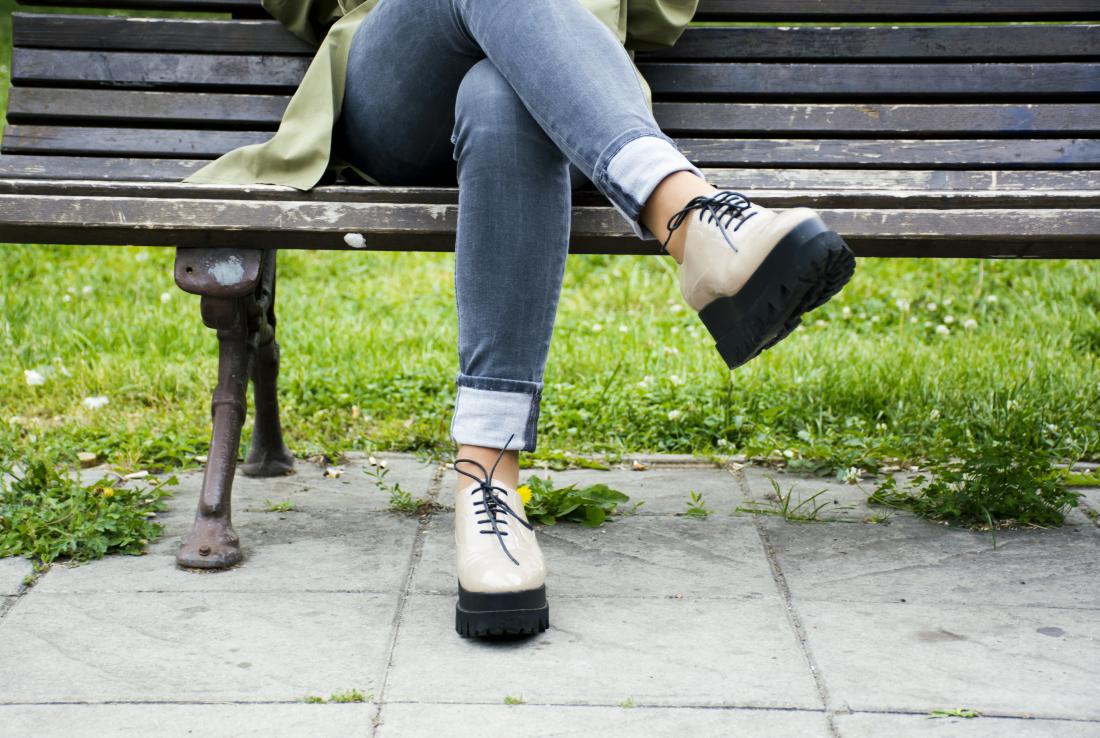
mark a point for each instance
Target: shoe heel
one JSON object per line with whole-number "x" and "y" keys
{"x": 499, "y": 614}
{"x": 801, "y": 273}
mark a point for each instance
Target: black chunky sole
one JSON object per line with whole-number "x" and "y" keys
{"x": 501, "y": 613}
{"x": 807, "y": 267}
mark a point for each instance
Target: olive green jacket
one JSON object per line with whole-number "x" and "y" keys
{"x": 300, "y": 153}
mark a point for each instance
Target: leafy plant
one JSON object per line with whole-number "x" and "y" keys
{"x": 1082, "y": 479}
{"x": 785, "y": 506}
{"x": 697, "y": 507}
{"x": 401, "y": 500}
{"x": 627, "y": 703}
{"x": 279, "y": 507}
{"x": 513, "y": 699}
{"x": 995, "y": 485}
{"x": 589, "y": 505}
{"x": 47, "y": 514}
{"x": 347, "y": 695}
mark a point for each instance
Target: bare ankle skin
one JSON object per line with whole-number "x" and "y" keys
{"x": 673, "y": 193}
{"x": 506, "y": 473}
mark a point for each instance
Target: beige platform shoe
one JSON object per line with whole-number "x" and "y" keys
{"x": 501, "y": 573}
{"x": 752, "y": 272}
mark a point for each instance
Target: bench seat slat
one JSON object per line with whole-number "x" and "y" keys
{"x": 208, "y": 109}
{"x": 812, "y": 192}
{"x": 282, "y": 73}
{"x": 395, "y": 226}
{"x": 697, "y": 43}
{"x": 712, "y": 152}
{"x": 117, "y": 173}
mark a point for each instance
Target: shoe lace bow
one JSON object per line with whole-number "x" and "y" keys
{"x": 725, "y": 204}
{"x": 495, "y": 510}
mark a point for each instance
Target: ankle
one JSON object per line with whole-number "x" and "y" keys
{"x": 505, "y": 474}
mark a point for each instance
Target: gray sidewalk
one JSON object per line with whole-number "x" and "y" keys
{"x": 661, "y": 624}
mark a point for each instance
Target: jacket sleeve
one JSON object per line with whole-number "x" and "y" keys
{"x": 652, "y": 24}
{"x": 309, "y": 20}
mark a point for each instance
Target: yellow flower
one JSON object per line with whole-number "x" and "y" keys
{"x": 524, "y": 493}
{"x": 107, "y": 492}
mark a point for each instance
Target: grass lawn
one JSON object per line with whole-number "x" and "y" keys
{"x": 913, "y": 358}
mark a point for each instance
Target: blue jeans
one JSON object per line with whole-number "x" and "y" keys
{"x": 531, "y": 99}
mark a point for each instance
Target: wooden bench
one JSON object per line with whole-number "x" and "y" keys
{"x": 929, "y": 129}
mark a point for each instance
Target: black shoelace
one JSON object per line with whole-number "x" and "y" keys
{"x": 495, "y": 510}
{"x": 725, "y": 204}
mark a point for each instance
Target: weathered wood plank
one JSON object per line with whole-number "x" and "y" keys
{"x": 81, "y": 106}
{"x": 934, "y": 43}
{"x": 815, "y": 195}
{"x": 879, "y": 154}
{"x": 388, "y": 226}
{"x": 896, "y": 80}
{"x": 95, "y": 32}
{"x": 716, "y": 80}
{"x": 895, "y": 10}
{"x": 123, "y": 171}
{"x": 878, "y": 118}
{"x": 209, "y": 109}
{"x": 711, "y": 152}
{"x": 169, "y": 70}
{"x": 731, "y": 44}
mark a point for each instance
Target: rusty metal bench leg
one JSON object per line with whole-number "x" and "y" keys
{"x": 268, "y": 455}
{"x": 238, "y": 291}
{"x": 212, "y": 542}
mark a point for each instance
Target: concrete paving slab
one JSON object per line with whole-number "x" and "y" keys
{"x": 192, "y": 647}
{"x": 508, "y": 721}
{"x": 866, "y": 725}
{"x": 923, "y": 563}
{"x": 646, "y": 556}
{"x": 307, "y": 550}
{"x": 996, "y": 659}
{"x": 180, "y": 721}
{"x": 665, "y": 491}
{"x": 12, "y": 571}
{"x": 685, "y": 652}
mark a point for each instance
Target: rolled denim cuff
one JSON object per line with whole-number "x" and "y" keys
{"x": 635, "y": 171}
{"x": 488, "y": 410}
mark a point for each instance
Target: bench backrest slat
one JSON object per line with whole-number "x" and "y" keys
{"x": 952, "y": 91}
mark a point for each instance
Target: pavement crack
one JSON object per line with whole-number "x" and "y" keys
{"x": 406, "y": 591}
{"x": 796, "y": 624}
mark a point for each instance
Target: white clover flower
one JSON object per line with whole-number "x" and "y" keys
{"x": 66, "y": 298}
{"x": 970, "y": 324}
{"x": 931, "y": 307}
{"x": 675, "y": 379}
{"x": 934, "y": 415}
{"x": 721, "y": 443}
{"x": 903, "y": 305}
{"x": 991, "y": 298}
{"x": 34, "y": 378}
{"x": 942, "y": 329}
{"x": 623, "y": 328}
{"x": 946, "y": 301}
{"x": 852, "y": 474}
{"x": 676, "y": 307}
{"x": 874, "y": 318}
{"x": 165, "y": 297}
{"x": 86, "y": 289}
{"x": 914, "y": 320}
{"x": 596, "y": 327}
{"x": 674, "y": 415}
{"x": 95, "y": 402}
{"x": 949, "y": 319}
{"x": 846, "y": 312}
{"x": 820, "y": 323}
{"x": 789, "y": 453}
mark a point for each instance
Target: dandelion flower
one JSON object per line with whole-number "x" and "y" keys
{"x": 524, "y": 493}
